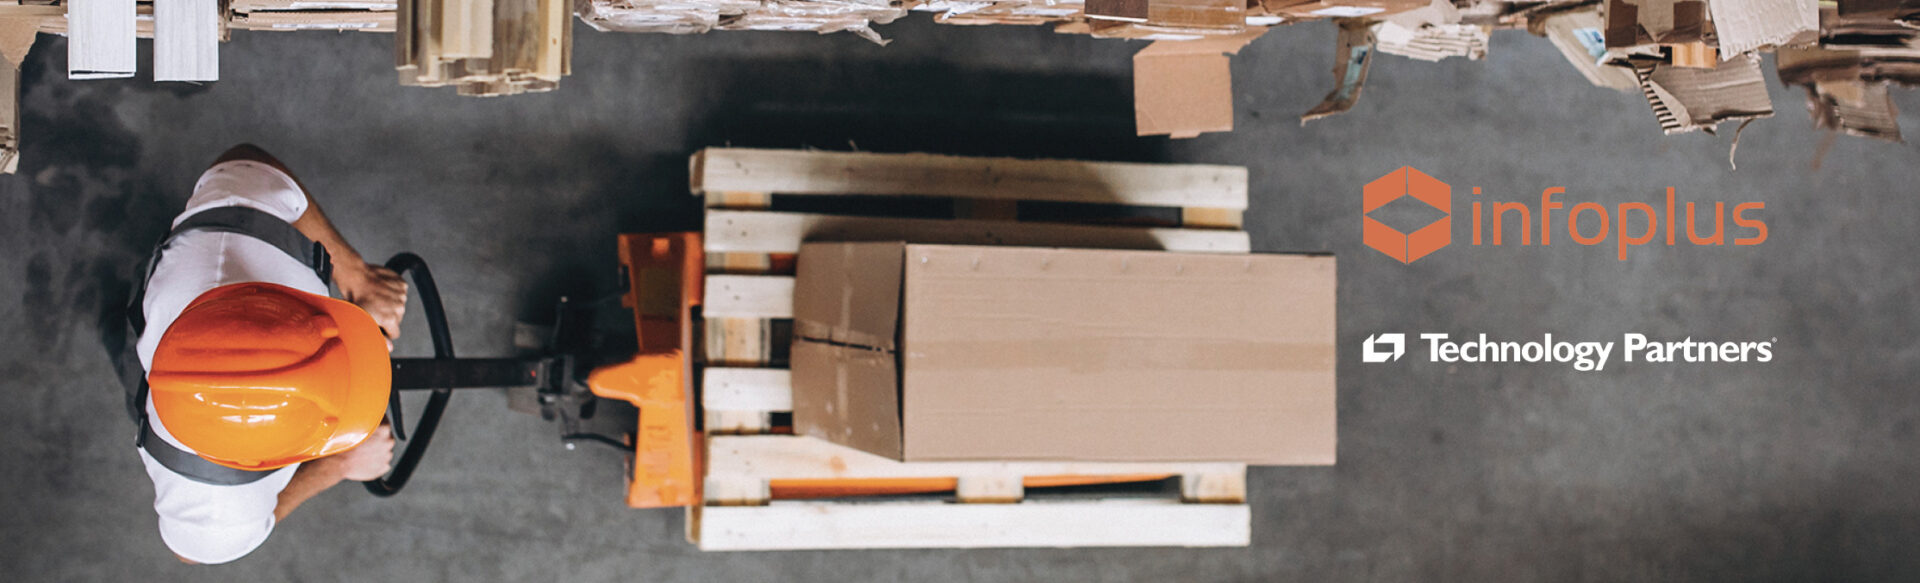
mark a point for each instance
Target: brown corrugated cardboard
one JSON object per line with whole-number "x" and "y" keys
{"x": 1353, "y": 56}
{"x": 1641, "y": 22}
{"x": 1577, "y": 33}
{"x": 942, "y": 352}
{"x": 1745, "y": 25}
{"x": 1124, "y": 10}
{"x": 1183, "y": 88}
{"x": 1686, "y": 100}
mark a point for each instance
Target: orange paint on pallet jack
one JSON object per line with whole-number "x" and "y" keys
{"x": 665, "y": 275}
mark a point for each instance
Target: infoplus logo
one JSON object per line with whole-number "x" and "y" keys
{"x": 1585, "y": 356}
{"x": 1625, "y": 226}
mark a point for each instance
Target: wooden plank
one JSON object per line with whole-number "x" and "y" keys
{"x": 1206, "y": 218}
{"x": 1114, "y": 523}
{"x": 739, "y": 200}
{"x": 738, "y": 341}
{"x": 775, "y": 232}
{"x": 1214, "y": 488}
{"x": 748, "y": 296}
{"x": 990, "y": 489}
{"x": 793, "y": 457}
{"x": 740, "y": 263}
{"x": 100, "y": 39}
{"x": 186, "y": 40}
{"x": 738, "y": 422}
{"x": 746, "y": 389}
{"x": 829, "y": 173}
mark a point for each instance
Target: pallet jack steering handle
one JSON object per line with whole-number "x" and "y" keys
{"x": 411, "y": 266}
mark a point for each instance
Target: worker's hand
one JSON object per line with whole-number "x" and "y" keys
{"x": 379, "y": 291}
{"x": 369, "y": 460}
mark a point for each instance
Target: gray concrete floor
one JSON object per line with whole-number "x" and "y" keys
{"x": 1799, "y": 469}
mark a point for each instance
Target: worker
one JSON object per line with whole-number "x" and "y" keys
{"x": 261, "y": 391}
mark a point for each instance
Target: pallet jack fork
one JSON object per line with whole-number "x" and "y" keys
{"x": 664, "y": 276}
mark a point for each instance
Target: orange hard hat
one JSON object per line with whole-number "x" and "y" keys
{"x": 257, "y": 376}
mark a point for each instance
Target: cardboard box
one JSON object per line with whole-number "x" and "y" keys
{"x": 943, "y": 352}
{"x": 1183, "y": 88}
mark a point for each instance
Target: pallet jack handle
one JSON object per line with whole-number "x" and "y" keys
{"x": 411, "y": 266}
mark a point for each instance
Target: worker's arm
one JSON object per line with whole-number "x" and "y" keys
{"x": 367, "y": 461}
{"x": 376, "y": 289}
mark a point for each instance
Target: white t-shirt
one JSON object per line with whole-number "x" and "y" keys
{"x": 201, "y": 522}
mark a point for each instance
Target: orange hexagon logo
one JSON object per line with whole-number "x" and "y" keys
{"x": 1402, "y": 246}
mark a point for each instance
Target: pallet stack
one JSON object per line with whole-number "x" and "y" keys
{"x": 484, "y": 47}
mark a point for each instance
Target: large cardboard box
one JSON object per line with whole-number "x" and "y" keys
{"x": 941, "y": 352}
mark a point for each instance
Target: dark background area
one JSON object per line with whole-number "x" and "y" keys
{"x": 1798, "y": 469}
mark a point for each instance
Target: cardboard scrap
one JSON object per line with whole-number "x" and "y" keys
{"x": 1433, "y": 42}
{"x": 1579, "y": 37}
{"x": 1431, "y": 33}
{"x": 1642, "y": 22}
{"x": 1686, "y": 100}
{"x": 1856, "y": 108}
{"x": 1847, "y": 89}
{"x": 1353, "y": 55}
{"x": 1745, "y": 25}
{"x": 1184, "y": 88}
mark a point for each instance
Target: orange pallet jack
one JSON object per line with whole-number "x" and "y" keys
{"x": 666, "y": 276}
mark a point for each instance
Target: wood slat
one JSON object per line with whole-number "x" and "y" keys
{"x": 739, "y": 341}
{"x": 186, "y": 40}
{"x": 825, "y": 525}
{"x": 793, "y": 457}
{"x": 776, "y": 232}
{"x": 746, "y": 389}
{"x": 830, "y": 173}
{"x": 100, "y": 39}
{"x": 737, "y": 422}
{"x": 748, "y": 296}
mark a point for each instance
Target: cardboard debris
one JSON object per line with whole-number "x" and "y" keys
{"x": 1432, "y": 42}
{"x": 1856, "y": 108}
{"x": 1687, "y": 99}
{"x": 942, "y": 352}
{"x": 1579, "y": 36}
{"x": 1847, "y": 89}
{"x": 1745, "y": 25}
{"x": 1353, "y": 55}
{"x": 1644, "y": 22}
{"x": 16, "y": 37}
{"x": 1184, "y": 88}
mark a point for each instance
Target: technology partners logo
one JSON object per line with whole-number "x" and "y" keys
{"x": 1585, "y": 356}
{"x": 1627, "y": 225}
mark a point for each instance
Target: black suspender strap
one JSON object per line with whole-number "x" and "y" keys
{"x": 194, "y": 467}
{"x": 240, "y": 220}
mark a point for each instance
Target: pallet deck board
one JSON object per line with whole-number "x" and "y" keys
{"x": 731, "y": 231}
{"x": 799, "y": 172}
{"x": 824, "y": 525}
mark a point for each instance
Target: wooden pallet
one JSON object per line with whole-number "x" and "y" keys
{"x": 748, "y": 306}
